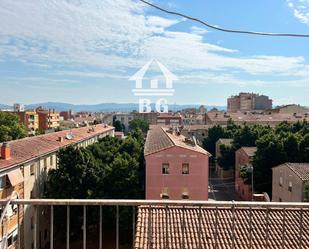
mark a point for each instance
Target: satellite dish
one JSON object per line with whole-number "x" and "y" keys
{"x": 69, "y": 136}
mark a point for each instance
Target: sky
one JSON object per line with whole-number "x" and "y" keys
{"x": 84, "y": 52}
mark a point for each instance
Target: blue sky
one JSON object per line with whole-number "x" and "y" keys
{"x": 83, "y": 52}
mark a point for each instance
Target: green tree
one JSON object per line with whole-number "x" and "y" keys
{"x": 10, "y": 128}
{"x": 227, "y": 158}
{"x": 118, "y": 126}
{"x": 141, "y": 124}
{"x": 214, "y": 134}
{"x": 306, "y": 191}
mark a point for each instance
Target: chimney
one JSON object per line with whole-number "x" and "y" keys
{"x": 5, "y": 151}
{"x": 60, "y": 139}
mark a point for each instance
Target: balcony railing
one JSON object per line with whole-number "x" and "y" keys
{"x": 69, "y": 204}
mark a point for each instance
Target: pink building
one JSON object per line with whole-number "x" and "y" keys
{"x": 176, "y": 167}
{"x": 243, "y": 158}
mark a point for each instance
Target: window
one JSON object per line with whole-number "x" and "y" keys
{"x": 32, "y": 169}
{"x": 290, "y": 186}
{"x": 164, "y": 194}
{"x": 280, "y": 181}
{"x": 51, "y": 161}
{"x": 185, "y": 169}
{"x": 4, "y": 181}
{"x": 185, "y": 194}
{"x": 45, "y": 163}
{"x": 165, "y": 168}
{"x": 280, "y": 200}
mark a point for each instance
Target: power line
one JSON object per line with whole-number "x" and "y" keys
{"x": 223, "y": 29}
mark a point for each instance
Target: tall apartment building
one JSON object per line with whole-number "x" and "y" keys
{"x": 176, "y": 167}
{"x": 248, "y": 102}
{"x": 24, "y": 164}
{"x": 30, "y": 119}
{"x": 48, "y": 119}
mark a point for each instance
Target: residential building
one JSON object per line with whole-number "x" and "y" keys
{"x": 48, "y": 119}
{"x": 169, "y": 119}
{"x": 200, "y": 132}
{"x": 24, "y": 164}
{"x": 248, "y": 102}
{"x": 252, "y": 225}
{"x": 150, "y": 117}
{"x": 290, "y": 109}
{"x": 124, "y": 118}
{"x": 176, "y": 167}
{"x": 251, "y": 118}
{"x": 30, "y": 119}
{"x": 18, "y": 108}
{"x": 288, "y": 182}
{"x": 243, "y": 158}
{"x": 222, "y": 173}
{"x": 67, "y": 115}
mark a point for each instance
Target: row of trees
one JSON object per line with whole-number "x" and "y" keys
{"x": 110, "y": 169}
{"x": 287, "y": 142}
{"x": 10, "y": 128}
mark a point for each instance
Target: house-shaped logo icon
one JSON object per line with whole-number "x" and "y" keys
{"x": 154, "y": 89}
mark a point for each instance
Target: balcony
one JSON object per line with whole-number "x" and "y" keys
{"x": 159, "y": 224}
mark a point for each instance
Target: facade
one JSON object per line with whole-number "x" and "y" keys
{"x": 243, "y": 158}
{"x": 169, "y": 119}
{"x": 219, "y": 171}
{"x": 176, "y": 168}
{"x": 150, "y": 117}
{"x": 291, "y": 109}
{"x": 124, "y": 118}
{"x": 30, "y": 119}
{"x": 200, "y": 132}
{"x": 288, "y": 182}
{"x": 248, "y": 102}
{"x": 24, "y": 165}
{"x": 251, "y": 118}
{"x": 48, "y": 120}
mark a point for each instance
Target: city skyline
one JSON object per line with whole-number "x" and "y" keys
{"x": 84, "y": 53}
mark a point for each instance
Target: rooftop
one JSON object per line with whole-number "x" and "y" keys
{"x": 300, "y": 169}
{"x": 25, "y": 149}
{"x": 250, "y": 151}
{"x": 158, "y": 139}
{"x": 222, "y": 227}
{"x": 255, "y": 117}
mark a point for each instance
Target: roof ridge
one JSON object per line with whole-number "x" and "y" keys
{"x": 165, "y": 133}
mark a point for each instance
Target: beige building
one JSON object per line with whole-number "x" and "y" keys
{"x": 248, "y": 102}
{"x": 297, "y": 109}
{"x": 288, "y": 182}
{"x": 24, "y": 165}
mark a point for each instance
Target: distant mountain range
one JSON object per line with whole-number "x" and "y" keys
{"x": 104, "y": 107}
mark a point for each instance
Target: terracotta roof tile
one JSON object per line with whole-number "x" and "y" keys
{"x": 300, "y": 169}
{"x": 28, "y": 148}
{"x": 159, "y": 139}
{"x": 207, "y": 227}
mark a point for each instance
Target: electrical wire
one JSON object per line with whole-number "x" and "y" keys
{"x": 223, "y": 29}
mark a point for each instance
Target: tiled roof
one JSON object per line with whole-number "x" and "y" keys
{"x": 250, "y": 151}
{"x": 191, "y": 228}
{"x": 159, "y": 139}
{"x": 241, "y": 117}
{"x": 28, "y": 148}
{"x": 300, "y": 169}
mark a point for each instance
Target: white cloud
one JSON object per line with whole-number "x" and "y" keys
{"x": 300, "y": 9}
{"x": 198, "y": 31}
{"x": 105, "y": 36}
